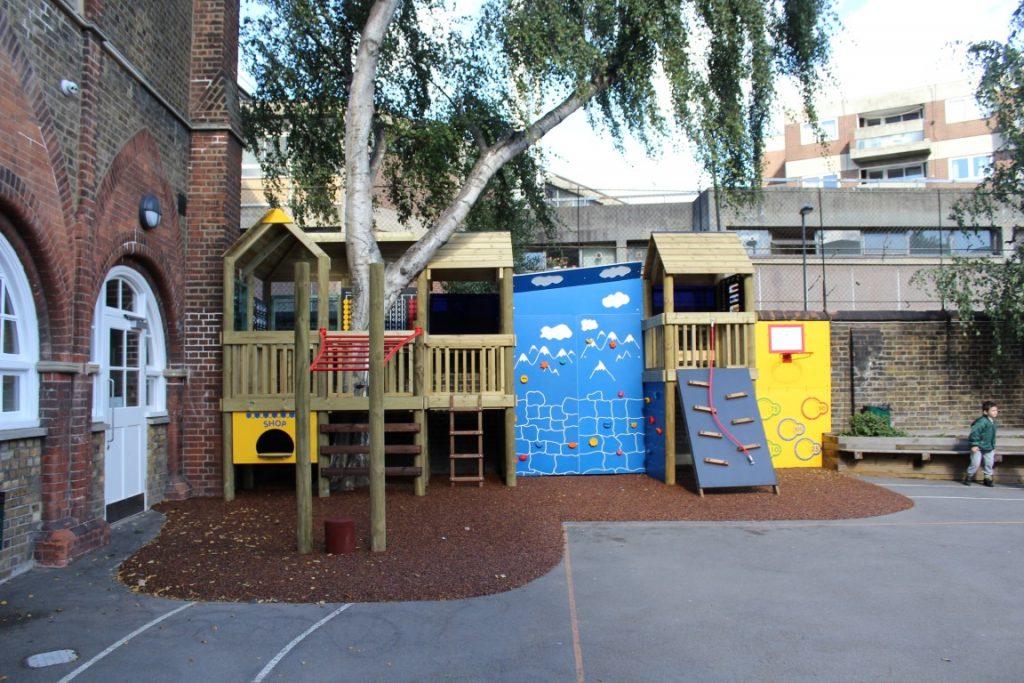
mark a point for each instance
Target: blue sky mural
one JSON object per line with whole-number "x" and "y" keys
{"x": 579, "y": 367}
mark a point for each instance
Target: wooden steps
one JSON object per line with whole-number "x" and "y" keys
{"x": 461, "y": 432}
{"x": 403, "y": 452}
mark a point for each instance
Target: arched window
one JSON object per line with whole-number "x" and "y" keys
{"x": 19, "y": 345}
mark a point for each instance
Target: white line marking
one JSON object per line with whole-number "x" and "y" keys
{"x": 124, "y": 640}
{"x": 960, "y": 498}
{"x": 298, "y": 639}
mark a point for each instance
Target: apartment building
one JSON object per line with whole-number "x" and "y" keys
{"x": 929, "y": 134}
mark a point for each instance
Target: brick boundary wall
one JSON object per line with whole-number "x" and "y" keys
{"x": 932, "y": 372}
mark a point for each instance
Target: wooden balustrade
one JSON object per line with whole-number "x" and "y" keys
{"x": 683, "y": 340}
{"x": 259, "y": 369}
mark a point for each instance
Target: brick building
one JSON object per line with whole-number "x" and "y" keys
{"x": 119, "y": 192}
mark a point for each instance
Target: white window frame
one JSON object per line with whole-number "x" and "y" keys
{"x": 830, "y": 127}
{"x": 22, "y": 364}
{"x": 153, "y": 344}
{"x": 978, "y": 166}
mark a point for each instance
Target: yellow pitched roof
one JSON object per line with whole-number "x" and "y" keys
{"x": 696, "y": 253}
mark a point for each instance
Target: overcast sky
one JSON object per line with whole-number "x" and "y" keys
{"x": 882, "y": 45}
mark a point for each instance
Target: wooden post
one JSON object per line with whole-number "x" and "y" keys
{"x": 303, "y": 478}
{"x": 508, "y": 379}
{"x": 378, "y": 525}
{"x": 420, "y": 383}
{"x": 324, "y": 483}
{"x": 227, "y": 437}
{"x": 671, "y": 341}
{"x": 227, "y": 324}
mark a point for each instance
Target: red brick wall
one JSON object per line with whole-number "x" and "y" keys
{"x": 72, "y": 172}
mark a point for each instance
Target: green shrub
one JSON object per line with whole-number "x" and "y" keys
{"x": 871, "y": 424}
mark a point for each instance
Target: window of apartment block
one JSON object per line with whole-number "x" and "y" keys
{"x": 907, "y": 172}
{"x": 972, "y": 168}
{"x": 904, "y": 138}
{"x": 839, "y": 242}
{"x": 756, "y": 242}
{"x": 636, "y": 251}
{"x": 911, "y": 114}
{"x": 829, "y": 127}
{"x": 19, "y": 345}
{"x": 959, "y": 242}
{"x": 885, "y": 242}
{"x": 964, "y": 109}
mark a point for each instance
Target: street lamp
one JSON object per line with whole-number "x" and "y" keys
{"x": 804, "y": 210}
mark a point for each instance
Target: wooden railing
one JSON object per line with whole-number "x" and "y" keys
{"x": 683, "y": 340}
{"x": 468, "y": 364}
{"x": 261, "y": 366}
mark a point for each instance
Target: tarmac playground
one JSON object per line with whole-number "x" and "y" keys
{"x": 932, "y": 593}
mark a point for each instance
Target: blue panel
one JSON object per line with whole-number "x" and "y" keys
{"x": 579, "y": 364}
{"x": 654, "y": 407}
{"x": 717, "y": 461}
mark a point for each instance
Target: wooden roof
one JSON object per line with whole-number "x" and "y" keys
{"x": 472, "y": 256}
{"x": 696, "y": 253}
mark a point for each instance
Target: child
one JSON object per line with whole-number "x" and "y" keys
{"x": 983, "y": 443}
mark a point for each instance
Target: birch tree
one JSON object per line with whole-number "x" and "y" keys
{"x": 447, "y": 113}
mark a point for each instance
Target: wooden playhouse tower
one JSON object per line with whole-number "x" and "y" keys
{"x": 691, "y": 282}
{"x": 464, "y": 374}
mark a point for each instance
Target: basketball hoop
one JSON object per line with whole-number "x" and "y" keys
{"x": 348, "y": 352}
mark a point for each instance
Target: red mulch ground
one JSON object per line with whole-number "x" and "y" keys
{"x": 453, "y": 542}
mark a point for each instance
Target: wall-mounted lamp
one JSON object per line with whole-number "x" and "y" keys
{"x": 149, "y": 212}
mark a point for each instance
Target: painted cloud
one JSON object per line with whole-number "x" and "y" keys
{"x": 616, "y": 300}
{"x": 546, "y": 280}
{"x": 615, "y": 271}
{"x": 588, "y": 324}
{"x": 557, "y": 332}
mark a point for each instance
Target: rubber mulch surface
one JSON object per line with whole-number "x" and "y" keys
{"x": 452, "y": 543}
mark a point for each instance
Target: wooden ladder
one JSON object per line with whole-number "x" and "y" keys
{"x": 458, "y": 432}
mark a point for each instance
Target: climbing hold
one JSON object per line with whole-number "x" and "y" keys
{"x": 618, "y": 452}
{"x": 652, "y": 419}
{"x": 523, "y": 379}
{"x": 543, "y": 365}
{"x": 522, "y": 458}
{"x": 606, "y": 425}
{"x": 612, "y": 344}
{"x": 561, "y": 361}
{"x": 647, "y": 399}
{"x": 621, "y": 394}
{"x": 633, "y": 424}
{"x": 572, "y": 444}
{"x": 658, "y": 430}
{"x": 590, "y": 341}
{"x": 593, "y": 441}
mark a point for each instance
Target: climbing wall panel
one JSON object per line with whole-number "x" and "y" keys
{"x": 718, "y": 458}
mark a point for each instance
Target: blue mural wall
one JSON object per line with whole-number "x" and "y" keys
{"x": 579, "y": 367}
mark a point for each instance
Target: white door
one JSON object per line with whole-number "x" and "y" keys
{"x": 121, "y": 351}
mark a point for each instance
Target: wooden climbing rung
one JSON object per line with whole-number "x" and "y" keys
{"x": 713, "y": 435}
{"x": 736, "y": 394}
{"x": 697, "y": 383}
{"x": 705, "y": 409}
{"x": 742, "y": 420}
{"x": 748, "y": 447}
{"x": 717, "y": 461}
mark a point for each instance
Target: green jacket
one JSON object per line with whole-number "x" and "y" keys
{"x": 983, "y": 434}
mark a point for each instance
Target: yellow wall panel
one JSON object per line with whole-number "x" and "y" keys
{"x": 794, "y": 391}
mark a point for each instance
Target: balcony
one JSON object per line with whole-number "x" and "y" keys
{"x": 890, "y": 141}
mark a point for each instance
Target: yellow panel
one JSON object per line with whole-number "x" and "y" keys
{"x": 794, "y": 396}
{"x": 262, "y": 438}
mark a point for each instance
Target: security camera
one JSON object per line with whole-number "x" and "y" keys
{"x": 69, "y": 88}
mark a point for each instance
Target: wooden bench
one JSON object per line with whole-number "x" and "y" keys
{"x": 925, "y": 456}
